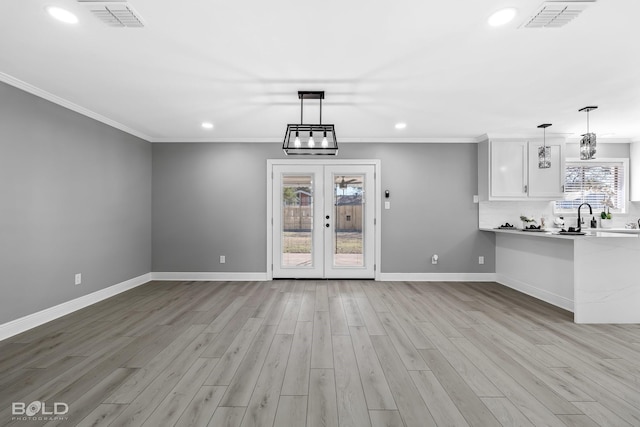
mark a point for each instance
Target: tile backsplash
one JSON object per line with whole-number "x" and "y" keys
{"x": 493, "y": 214}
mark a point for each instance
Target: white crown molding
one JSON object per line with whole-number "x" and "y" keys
{"x": 566, "y": 137}
{"x": 10, "y": 80}
{"x": 438, "y": 277}
{"x": 30, "y": 321}
{"x": 448, "y": 140}
{"x": 429, "y": 140}
{"x": 27, "y": 87}
{"x": 209, "y": 276}
{"x": 217, "y": 140}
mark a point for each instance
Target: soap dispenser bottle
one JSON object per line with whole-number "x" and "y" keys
{"x": 594, "y": 223}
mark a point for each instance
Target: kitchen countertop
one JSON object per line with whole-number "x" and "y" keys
{"x": 593, "y": 275}
{"x": 553, "y": 233}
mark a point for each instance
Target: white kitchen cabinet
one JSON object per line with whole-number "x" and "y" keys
{"x": 508, "y": 170}
{"x": 546, "y": 183}
{"x": 634, "y": 168}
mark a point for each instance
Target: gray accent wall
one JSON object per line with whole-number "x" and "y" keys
{"x": 75, "y": 197}
{"x": 210, "y": 200}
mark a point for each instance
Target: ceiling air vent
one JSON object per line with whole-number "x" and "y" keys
{"x": 554, "y": 14}
{"x": 114, "y": 13}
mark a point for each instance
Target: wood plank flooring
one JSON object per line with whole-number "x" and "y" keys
{"x": 324, "y": 353}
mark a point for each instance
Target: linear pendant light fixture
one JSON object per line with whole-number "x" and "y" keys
{"x": 544, "y": 152}
{"x": 588, "y": 141}
{"x": 295, "y": 139}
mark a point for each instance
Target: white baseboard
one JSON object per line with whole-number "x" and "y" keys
{"x": 213, "y": 276}
{"x": 438, "y": 277}
{"x": 541, "y": 294}
{"x": 30, "y": 321}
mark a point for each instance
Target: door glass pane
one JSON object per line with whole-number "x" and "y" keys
{"x": 348, "y": 249}
{"x": 297, "y": 220}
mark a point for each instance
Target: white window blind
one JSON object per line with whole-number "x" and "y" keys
{"x": 602, "y": 184}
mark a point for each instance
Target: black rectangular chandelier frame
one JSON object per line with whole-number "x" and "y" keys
{"x": 310, "y": 139}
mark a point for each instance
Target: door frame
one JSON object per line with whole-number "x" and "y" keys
{"x": 326, "y": 162}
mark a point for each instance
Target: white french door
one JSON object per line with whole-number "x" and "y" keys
{"x": 323, "y": 220}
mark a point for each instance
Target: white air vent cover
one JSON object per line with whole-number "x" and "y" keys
{"x": 114, "y": 13}
{"x": 555, "y": 14}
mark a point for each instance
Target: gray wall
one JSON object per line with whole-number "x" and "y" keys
{"x": 75, "y": 197}
{"x": 210, "y": 200}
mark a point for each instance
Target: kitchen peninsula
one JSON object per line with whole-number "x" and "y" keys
{"x": 592, "y": 275}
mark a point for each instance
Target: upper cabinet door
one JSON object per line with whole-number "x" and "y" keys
{"x": 508, "y": 169}
{"x": 634, "y": 168}
{"x": 547, "y": 183}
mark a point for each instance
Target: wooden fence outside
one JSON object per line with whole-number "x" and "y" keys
{"x": 298, "y": 218}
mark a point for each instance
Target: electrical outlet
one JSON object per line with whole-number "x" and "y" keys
{"x": 223, "y": 259}
{"x": 434, "y": 259}
{"x": 78, "y": 278}
{"x": 480, "y": 260}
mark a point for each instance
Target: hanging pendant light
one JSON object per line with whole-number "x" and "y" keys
{"x": 588, "y": 141}
{"x": 544, "y": 152}
{"x": 329, "y": 144}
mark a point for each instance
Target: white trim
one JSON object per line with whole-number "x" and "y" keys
{"x": 541, "y": 294}
{"x": 600, "y": 161}
{"x": 322, "y": 162}
{"x": 377, "y": 140}
{"x": 377, "y": 184}
{"x": 568, "y": 137}
{"x": 270, "y": 219}
{"x": 27, "y": 87}
{"x": 378, "y": 200}
{"x": 210, "y": 276}
{"x": 10, "y": 80}
{"x": 30, "y": 321}
{"x": 437, "y": 277}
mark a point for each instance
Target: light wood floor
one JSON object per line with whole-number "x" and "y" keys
{"x": 325, "y": 353}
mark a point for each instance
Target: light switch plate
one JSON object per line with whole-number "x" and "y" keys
{"x": 387, "y": 205}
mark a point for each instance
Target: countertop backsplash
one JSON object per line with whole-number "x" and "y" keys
{"x": 495, "y": 213}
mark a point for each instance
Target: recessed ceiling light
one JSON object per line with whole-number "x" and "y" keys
{"x": 62, "y": 15}
{"x": 401, "y": 125}
{"x": 207, "y": 125}
{"x": 502, "y": 17}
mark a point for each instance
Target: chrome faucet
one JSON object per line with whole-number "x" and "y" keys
{"x": 579, "y": 218}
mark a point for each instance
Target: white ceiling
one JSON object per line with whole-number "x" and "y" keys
{"x": 436, "y": 65}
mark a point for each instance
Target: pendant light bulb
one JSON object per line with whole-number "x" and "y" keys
{"x": 296, "y": 143}
{"x": 325, "y": 143}
{"x": 311, "y": 142}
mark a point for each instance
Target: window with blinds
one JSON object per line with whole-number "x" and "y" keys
{"x": 601, "y": 183}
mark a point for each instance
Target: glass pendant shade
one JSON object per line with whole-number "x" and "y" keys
{"x": 588, "y": 141}
{"x": 544, "y": 152}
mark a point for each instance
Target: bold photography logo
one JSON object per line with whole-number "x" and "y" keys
{"x": 39, "y": 410}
